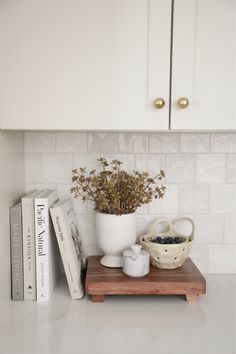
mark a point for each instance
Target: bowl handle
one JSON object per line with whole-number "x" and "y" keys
{"x": 185, "y": 218}
{"x": 158, "y": 222}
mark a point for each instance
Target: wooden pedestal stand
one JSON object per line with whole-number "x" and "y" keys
{"x": 186, "y": 280}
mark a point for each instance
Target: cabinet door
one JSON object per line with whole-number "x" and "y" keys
{"x": 204, "y": 64}
{"x": 159, "y": 47}
{"x": 81, "y": 64}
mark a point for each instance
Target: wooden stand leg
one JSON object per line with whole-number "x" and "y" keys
{"x": 192, "y": 298}
{"x": 98, "y": 298}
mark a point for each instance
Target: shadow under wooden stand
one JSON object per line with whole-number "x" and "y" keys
{"x": 186, "y": 280}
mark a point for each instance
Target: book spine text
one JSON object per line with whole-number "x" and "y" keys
{"x": 29, "y": 250}
{"x": 16, "y": 254}
{"x": 41, "y": 220}
{"x": 64, "y": 242}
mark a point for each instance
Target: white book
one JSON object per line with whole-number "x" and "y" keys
{"x": 47, "y": 254}
{"x": 66, "y": 229}
{"x": 28, "y": 231}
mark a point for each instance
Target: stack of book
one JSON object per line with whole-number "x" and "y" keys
{"x": 38, "y": 225}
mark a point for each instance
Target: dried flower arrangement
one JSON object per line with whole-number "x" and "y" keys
{"x": 115, "y": 191}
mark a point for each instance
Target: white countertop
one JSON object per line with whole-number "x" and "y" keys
{"x": 123, "y": 324}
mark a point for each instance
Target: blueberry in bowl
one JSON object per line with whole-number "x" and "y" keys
{"x": 168, "y": 240}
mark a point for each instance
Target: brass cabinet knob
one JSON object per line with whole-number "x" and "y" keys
{"x": 183, "y": 102}
{"x": 159, "y": 103}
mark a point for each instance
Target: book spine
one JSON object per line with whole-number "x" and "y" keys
{"x": 73, "y": 274}
{"x": 17, "y": 285}
{"x": 42, "y": 249}
{"x": 29, "y": 249}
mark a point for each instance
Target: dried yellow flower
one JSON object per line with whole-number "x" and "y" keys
{"x": 115, "y": 191}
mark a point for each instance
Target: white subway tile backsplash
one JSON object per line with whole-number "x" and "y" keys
{"x": 230, "y": 229}
{"x": 199, "y": 254}
{"x": 209, "y": 229}
{"x": 40, "y": 186}
{"x": 164, "y": 142}
{"x": 88, "y": 234}
{"x": 151, "y": 163}
{"x": 180, "y": 168}
{"x": 231, "y": 169}
{"x": 222, "y": 259}
{"x": 57, "y": 168}
{"x": 91, "y": 206}
{"x": 128, "y": 160}
{"x": 223, "y": 199}
{"x": 223, "y": 142}
{"x": 40, "y": 142}
{"x": 133, "y": 143}
{"x": 194, "y": 142}
{"x": 33, "y": 168}
{"x": 143, "y": 209}
{"x": 71, "y": 142}
{"x": 194, "y": 199}
{"x": 169, "y": 204}
{"x": 64, "y": 193}
{"x": 200, "y": 179}
{"x": 145, "y": 222}
{"x": 210, "y": 168}
{"x": 90, "y": 161}
{"x": 102, "y": 143}
{"x": 80, "y": 207}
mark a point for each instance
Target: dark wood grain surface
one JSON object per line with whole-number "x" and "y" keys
{"x": 186, "y": 280}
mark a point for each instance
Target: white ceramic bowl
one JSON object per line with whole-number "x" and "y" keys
{"x": 168, "y": 256}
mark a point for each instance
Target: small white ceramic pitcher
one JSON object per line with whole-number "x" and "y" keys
{"x": 136, "y": 262}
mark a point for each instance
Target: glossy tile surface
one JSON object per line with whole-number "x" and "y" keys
{"x": 129, "y": 324}
{"x": 199, "y": 167}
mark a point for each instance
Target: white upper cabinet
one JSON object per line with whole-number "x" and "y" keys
{"x": 101, "y": 64}
{"x": 204, "y": 64}
{"x": 84, "y": 64}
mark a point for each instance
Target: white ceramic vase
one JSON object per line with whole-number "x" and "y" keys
{"x": 115, "y": 233}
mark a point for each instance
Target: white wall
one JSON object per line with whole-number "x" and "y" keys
{"x": 11, "y": 187}
{"x": 201, "y": 181}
